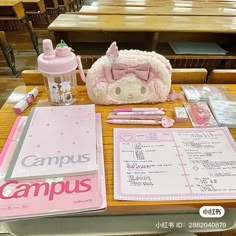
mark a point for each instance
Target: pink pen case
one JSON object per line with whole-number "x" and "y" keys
{"x": 129, "y": 76}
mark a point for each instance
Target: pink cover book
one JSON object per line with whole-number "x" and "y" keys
{"x": 50, "y": 196}
{"x": 57, "y": 140}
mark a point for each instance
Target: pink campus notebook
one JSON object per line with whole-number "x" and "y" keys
{"x": 57, "y": 140}
{"x": 49, "y": 196}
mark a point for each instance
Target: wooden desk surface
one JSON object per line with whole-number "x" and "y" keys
{"x": 7, "y": 118}
{"x": 31, "y": 1}
{"x": 34, "y": 6}
{"x": 178, "y": 3}
{"x": 163, "y": 1}
{"x": 123, "y": 23}
{"x": 11, "y": 10}
{"x": 147, "y": 1}
{"x": 9, "y": 2}
{"x": 161, "y": 10}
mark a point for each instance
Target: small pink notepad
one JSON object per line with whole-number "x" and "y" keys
{"x": 57, "y": 140}
{"x": 50, "y": 196}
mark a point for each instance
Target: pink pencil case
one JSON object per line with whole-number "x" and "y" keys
{"x": 128, "y": 76}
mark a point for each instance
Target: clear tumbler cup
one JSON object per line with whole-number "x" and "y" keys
{"x": 59, "y": 72}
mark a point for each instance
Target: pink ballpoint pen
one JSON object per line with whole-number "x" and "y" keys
{"x": 135, "y": 117}
{"x": 166, "y": 122}
{"x": 159, "y": 112}
{"x": 143, "y": 122}
{"x": 137, "y": 109}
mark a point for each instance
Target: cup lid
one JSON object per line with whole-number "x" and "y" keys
{"x": 58, "y": 61}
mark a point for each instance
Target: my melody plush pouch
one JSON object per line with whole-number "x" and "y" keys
{"x": 128, "y": 76}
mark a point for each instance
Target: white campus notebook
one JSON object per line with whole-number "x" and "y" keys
{"x": 174, "y": 164}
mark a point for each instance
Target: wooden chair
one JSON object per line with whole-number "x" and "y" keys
{"x": 189, "y": 76}
{"x": 13, "y": 20}
{"x": 36, "y": 12}
{"x": 66, "y": 5}
{"x": 52, "y": 8}
{"x": 179, "y": 76}
{"x": 8, "y": 53}
{"x": 222, "y": 76}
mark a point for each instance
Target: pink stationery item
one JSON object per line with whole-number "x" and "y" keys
{"x": 128, "y": 76}
{"x": 180, "y": 114}
{"x": 160, "y": 112}
{"x": 26, "y": 101}
{"x": 203, "y": 93}
{"x": 200, "y": 115}
{"x": 137, "y": 109}
{"x": 224, "y": 112}
{"x": 133, "y": 122}
{"x": 57, "y": 140}
{"x": 135, "y": 117}
{"x": 155, "y": 164}
{"x": 166, "y": 122}
{"x": 50, "y": 196}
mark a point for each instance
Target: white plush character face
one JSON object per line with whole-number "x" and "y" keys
{"x": 128, "y": 90}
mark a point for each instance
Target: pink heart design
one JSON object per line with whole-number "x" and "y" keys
{"x": 126, "y": 136}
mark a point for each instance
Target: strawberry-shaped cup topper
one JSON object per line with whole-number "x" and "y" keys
{"x": 62, "y": 50}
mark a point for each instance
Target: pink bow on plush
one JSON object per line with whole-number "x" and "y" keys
{"x": 141, "y": 71}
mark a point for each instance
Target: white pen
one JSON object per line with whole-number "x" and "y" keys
{"x": 160, "y": 112}
{"x": 25, "y": 101}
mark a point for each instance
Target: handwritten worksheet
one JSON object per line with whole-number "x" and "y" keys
{"x": 174, "y": 164}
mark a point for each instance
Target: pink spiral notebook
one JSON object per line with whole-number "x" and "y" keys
{"x": 50, "y": 196}
{"x": 56, "y": 140}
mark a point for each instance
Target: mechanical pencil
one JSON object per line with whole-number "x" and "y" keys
{"x": 26, "y": 101}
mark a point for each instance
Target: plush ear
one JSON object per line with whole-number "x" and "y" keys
{"x": 112, "y": 50}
